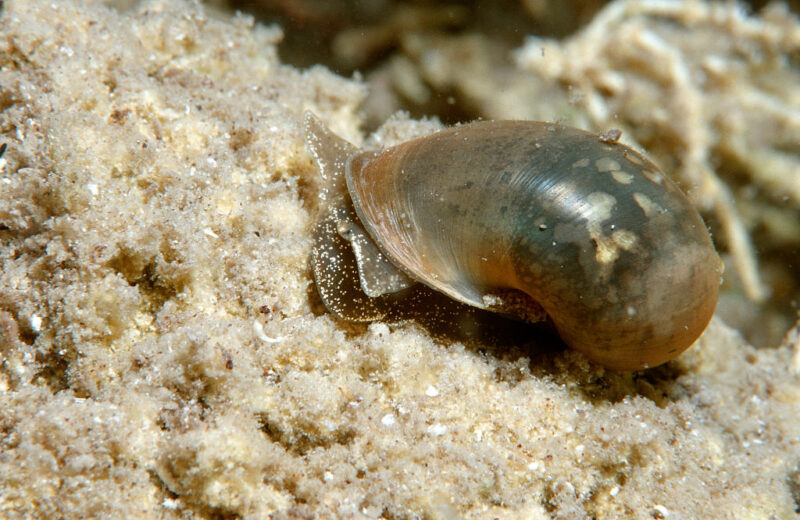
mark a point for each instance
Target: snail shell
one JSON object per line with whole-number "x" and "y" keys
{"x": 520, "y": 217}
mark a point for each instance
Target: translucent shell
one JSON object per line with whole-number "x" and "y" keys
{"x": 525, "y": 218}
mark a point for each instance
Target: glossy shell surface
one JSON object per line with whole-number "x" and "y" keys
{"x": 522, "y": 216}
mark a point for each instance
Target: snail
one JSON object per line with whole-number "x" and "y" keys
{"x": 532, "y": 219}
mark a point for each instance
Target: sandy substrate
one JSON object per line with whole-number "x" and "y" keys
{"x": 164, "y": 354}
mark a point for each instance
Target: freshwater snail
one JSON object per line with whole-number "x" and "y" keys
{"x": 526, "y": 218}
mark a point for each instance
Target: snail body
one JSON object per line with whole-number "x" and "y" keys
{"x": 524, "y": 218}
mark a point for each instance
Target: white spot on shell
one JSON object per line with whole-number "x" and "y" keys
{"x": 622, "y": 177}
{"x": 624, "y": 239}
{"x": 635, "y": 159}
{"x": 431, "y": 391}
{"x": 606, "y": 253}
{"x": 388, "y": 420}
{"x": 649, "y": 207}
{"x": 599, "y": 207}
{"x": 653, "y": 176}
{"x": 583, "y": 163}
{"x": 607, "y": 164}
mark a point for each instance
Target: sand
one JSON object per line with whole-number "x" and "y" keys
{"x": 164, "y": 354}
